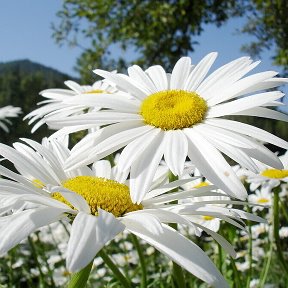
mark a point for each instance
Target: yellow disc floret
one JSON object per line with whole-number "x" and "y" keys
{"x": 202, "y": 184}
{"x": 262, "y": 200}
{"x": 97, "y": 91}
{"x": 275, "y": 174}
{"x": 173, "y": 109}
{"x": 106, "y": 194}
{"x": 208, "y": 218}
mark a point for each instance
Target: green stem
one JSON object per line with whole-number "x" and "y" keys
{"x": 79, "y": 279}
{"x": 237, "y": 280}
{"x": 220, "y": 262}
{"x": 284, "y": 210}
{"x": 142, "y": 261}
{"x": 178, "y": 276}
{"x": 276, "y": 228}
{"x": 250, "y": 253}
{"x": 34, "y": 253}
{"x": 267, "y": 266}
{"x": 45, "y": 259}
{"x": 124, "y": 281}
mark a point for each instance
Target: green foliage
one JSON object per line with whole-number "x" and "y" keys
{"x": 157, "y": 32}
{"x": 20, "y": 84}
{"x": 268, "y": 23}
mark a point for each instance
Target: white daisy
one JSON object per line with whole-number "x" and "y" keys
{"x": 209, "y": 222}
{"x": 262, "y": 196}
{"x": 8, "y": 112}
{"x": 55, "y": 106}
{"x": 283, "y": 232}
{"x": 98, "y": 204}
{"x": 268, "y": 176}
{"x": 178, "y": 115}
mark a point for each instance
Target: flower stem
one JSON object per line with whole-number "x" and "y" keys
{"x": 276, "y": 228}
{"x": 142, "y": 261}
{"x": 237, "y": 281}
{"x": 79, "y": 279}
{"x": 267, "y": 266}
{"x": 220, "y": 255}
{"x": 124, "y": 281}
{"x": 35, "y": 256}
{"x": 284, "y": 210}
{"x": 250, "y": 252}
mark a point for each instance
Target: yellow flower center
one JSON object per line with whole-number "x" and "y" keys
{"x": 202, "y": 184}
{"x": 95, "y": 91}
{"x": 274, "y": 173}
{"x": 106, "y": 194}
{"x": 263, "y": 200}
{"x": 38, "y": 183}
{"x": 173, "y": 109}
{"x": 207, "y": 218}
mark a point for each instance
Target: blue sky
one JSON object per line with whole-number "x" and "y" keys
{"x": 25, "y": 33}
{"x": 25, "y": 30}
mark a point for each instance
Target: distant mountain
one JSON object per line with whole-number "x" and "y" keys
{"x": 20, "y": 84}
{"x": 25, "y": 66}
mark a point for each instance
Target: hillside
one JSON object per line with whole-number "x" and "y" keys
{"x": 20, "y": 84}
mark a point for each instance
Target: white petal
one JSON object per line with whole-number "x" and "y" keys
{"x": 165, "y": 188}
{"x": 112, "y": 101}
{"x": 242, "y": 87}
{"x": 265, "y": 113}
{"x": 135, "y": 148}
{"x": 184, "y": 252}
{"x": 158, "y": 75}
{"x": 221, "y": 240}
{"x": 199, "y": 72}
{"x": 242, "y": 104}
{"x": 225, "y": 75}
{"x": 224, "y": 135}
{"x": 102, "y": 169}
{"x": 143, "y": 170}
{"x": 81, "y": 152}
{"x": 25, "y": 164}
{"x": 17, "y": 227}
{"x": 233, "y": 152}
{"x": 250, "y": 216}
{"x": 19, "y": 178}
{"x": 248, "y": 130}
{"x": 213, "y": 165}
{"x": 177, "y": 195}
{"x": 122, "y": 81}
{"x": 117, "y": 141}
{"x": 73, "y": 86}
{"x": 180, "y": 73}
{"x": 143, "y": 218}
{"x": 96, "y": 118}
{"x": 88, "y": 235}
{"x": 140, "y": 76}
{"x": 75, "y": 199}
{"x": 176, "y": 149}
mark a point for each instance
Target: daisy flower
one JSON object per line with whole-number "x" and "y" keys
{"x": 261, "y": 196}
{"x": 55, "y": 106}
{"x": 8, "y": 112}
{"x": 97, "y": 203}
{"x": 268, "y": 176}
{"x": 178, "y": 115}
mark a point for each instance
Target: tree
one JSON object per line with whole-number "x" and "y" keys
{"x": 158, "y": 32}
{"x": 268, "y": 23}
